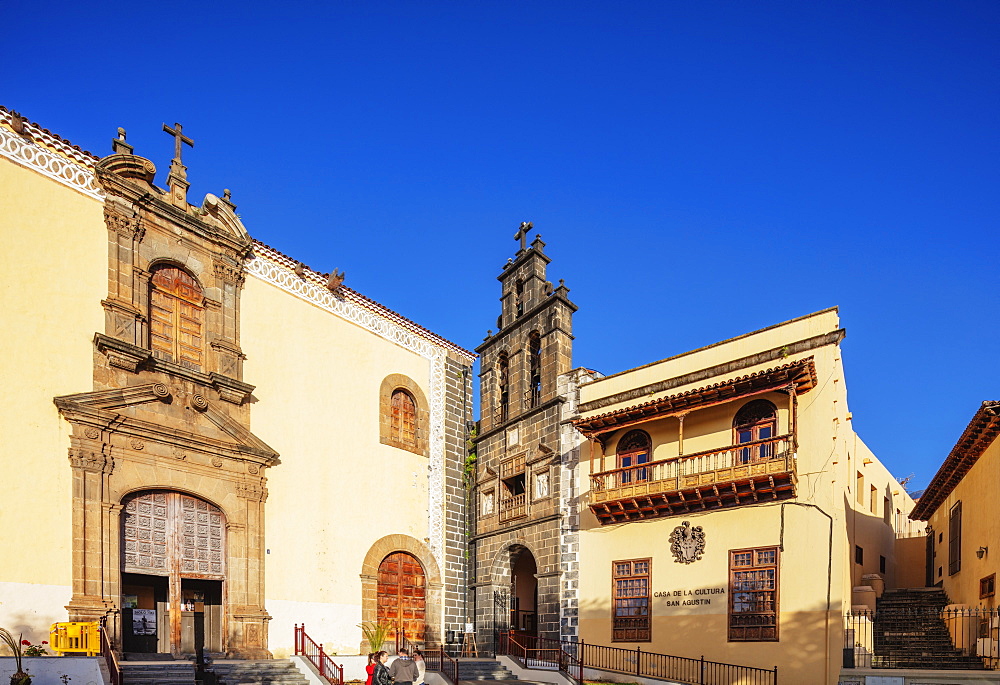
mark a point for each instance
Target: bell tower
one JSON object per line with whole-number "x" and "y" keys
{"x": 517, "y": 542}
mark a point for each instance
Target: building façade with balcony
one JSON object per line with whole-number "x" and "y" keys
{"x": 727, "y": 507}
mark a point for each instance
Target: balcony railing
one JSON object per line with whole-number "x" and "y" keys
{"x": 713, "y": 478}
{"x": 513, "y": 507}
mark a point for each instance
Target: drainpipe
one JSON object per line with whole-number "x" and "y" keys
{"x": 829, "y": 572}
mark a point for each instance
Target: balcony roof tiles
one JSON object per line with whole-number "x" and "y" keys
{"x": 801, "y": 373}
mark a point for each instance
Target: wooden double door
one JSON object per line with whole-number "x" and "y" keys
{"x": 402, "y": 598}
{"x": 173, "y": 573}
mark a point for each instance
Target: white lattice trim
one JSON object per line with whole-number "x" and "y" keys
{"x": 267, "y": 269}
{"x": 70, "y": 172}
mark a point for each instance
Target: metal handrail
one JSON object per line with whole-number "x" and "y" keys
{"x": 110, "y": 658}
{"x": 452, "y": 663}
{"x": 897, "y": 636}
{"x": 641, "y": 663}
{"x": 547, "y": 656}
{"x": 307, "y": 647}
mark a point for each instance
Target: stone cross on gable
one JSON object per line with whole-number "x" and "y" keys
{"x": 522, "y": 234}
{"x": 179, "y": 138}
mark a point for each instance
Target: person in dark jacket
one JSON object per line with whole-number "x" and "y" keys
{"x": 381, "y": 675}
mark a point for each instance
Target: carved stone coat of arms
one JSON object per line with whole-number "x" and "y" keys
{"x": 686, "y": 543}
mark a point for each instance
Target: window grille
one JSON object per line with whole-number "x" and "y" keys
{"x": 631, "y": 601}
{"x": 753, "y": 595}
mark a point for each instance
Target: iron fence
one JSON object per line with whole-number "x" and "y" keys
{"x": 923, "y": 637}
{"x": 580, "y": 655}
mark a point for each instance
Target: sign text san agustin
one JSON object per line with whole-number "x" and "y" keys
{"x": 696, "y": 597}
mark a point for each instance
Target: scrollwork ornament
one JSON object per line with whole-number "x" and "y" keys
{"x": 91, "y": 432}
{"x": 199, "y": 402}
{"x": 160, "y": 390}
{"x": 217, "y": 462}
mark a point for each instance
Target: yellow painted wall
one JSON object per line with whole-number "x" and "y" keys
{"x": 54, "y": 255}
{"x": 911, "y": 555}
{"x": 977, "y": 492}
{"x": 337, "y": 489}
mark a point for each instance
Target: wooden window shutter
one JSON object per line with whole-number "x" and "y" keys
{"x": 955, "y": 540}
{"x": 176, "y": 314}
{"x": 403, "y": 424}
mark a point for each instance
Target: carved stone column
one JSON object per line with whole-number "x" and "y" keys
{"x": 92, "y": 465}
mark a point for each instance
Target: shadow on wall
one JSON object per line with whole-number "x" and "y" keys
{"x": 799, "y": 654}
{"x": 33, "y": 626}
{"x": 871, "y": 539}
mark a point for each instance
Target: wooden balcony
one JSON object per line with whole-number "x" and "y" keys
{"x": 758, "y": 471}
{"x": 513, "y": 507}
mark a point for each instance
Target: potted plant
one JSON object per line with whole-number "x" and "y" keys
{"x": 19, "y": 677}
{"x": 375, "y": 633}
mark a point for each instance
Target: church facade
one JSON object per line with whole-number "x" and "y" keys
{"x": 251, "y": 444}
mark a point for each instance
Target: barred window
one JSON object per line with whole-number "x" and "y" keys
{"x": 631, "y": 601}
{"x": 753, "y": 595}
{"x": 534, "y": 369}
{"x": 503, "y": 388}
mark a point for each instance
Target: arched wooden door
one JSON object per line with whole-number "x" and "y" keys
{"x": 402, "y": 597}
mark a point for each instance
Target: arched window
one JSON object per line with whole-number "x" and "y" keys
{"x": 534, "y": 369}
{"x": 402, "y": 409}
{"x": 176, "y": 317}
{"x": 503, "y": 387}
{"x": 634, "y": 449}
{"x": 755, "y": 421}
{"x": 403, "y": 426}
{"x": 519, "y": 297}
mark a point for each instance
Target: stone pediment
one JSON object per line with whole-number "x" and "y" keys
{"x": 220, "y": 213}
{"x": 542, "y": 455}
{"x": 178, "y": 422}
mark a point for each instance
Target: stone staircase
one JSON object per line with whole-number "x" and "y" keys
{"x": 475, "y": 669}
{"x": 910, "y": 633}
{"x": 276, "y": 671}
{"x": 271, "y": 671}
{"x": 159, "y": 672}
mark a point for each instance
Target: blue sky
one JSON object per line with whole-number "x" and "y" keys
{"x": 698, "y": 169}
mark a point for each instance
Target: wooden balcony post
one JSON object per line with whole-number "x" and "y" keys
{"x": 793, "y": 408}
{"x": 680, "y": 434}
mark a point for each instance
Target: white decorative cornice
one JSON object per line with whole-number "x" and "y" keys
{"x": 67, "y": 166}
{"x": 268, "y": 268}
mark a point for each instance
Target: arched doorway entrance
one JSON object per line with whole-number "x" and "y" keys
{"x": 173, "y": 571}
{"x": 402, "y": 598}
{"x": 523, "y": 591}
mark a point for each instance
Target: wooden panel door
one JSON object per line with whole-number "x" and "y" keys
{"x": 402, "y": 597}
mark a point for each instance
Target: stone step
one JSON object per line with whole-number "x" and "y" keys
{"x": 157, "y": 673}
{"x": 478, "y": 670}
{"x": 264, "y": 671}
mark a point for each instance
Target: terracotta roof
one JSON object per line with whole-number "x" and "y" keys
{"x": 801, "y": 372}
{"x": 977, "y": 436}
{"x": 53, "y": 141}
{"x": 360, "y": 300}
